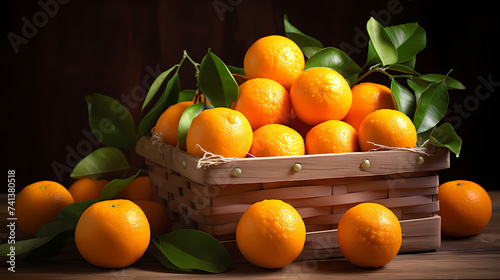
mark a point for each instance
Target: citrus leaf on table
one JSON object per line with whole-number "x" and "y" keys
{"x": 170, "y": 96}
{"x": 431, "y": 107}
{"x": 187, "y": 118}
{"x": 302, "y": 40}
{"x": 159, "y": 254}
{"x": 216, "y": 81}
{"x": 408, "y": 39}
{"x": 23, "y": 246}
{"x": 337, "y": 60}
{"x": 103, "y": 163}
{"x": 110, "y": 121}
{"x": 190, "y": 249}
{"x": 445, "y": 136}
{"x": 381, "y": 44}
{"x": 405, "y": 100}
{"x": 51, "y": 247}
{"x": 155, "y": 87}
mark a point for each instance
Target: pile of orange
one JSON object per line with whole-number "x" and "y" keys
{"x": 317, "y": 103}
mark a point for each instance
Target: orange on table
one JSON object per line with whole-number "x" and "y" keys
{"x": 138, "y": 189}
{"x": 332, "y": 137}
{"x": 367, "y": 98}
{"x": 389, "y": 128}
{"x": 221, "y": 131}
{"x": 168, "y": 122}
{"x": 39, "y": 204}
{"x": 369, "y": 235}
{"x": 277, "y": 140}
{"x": 320, "y": 94}
{"x": 157, "y": 215}
{"x": 263, "y": 101}
{"x": 86, "y": 189}
{"x": 271, "y": 234}
{"x": 112, "y": 233}
{"x": 274, "y": 57}
{"x": 465, "y": 208}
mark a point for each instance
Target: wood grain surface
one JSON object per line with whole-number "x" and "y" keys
{"x": 476, "y": 257}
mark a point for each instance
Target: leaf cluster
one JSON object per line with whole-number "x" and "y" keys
{"x": 392, "y": 51}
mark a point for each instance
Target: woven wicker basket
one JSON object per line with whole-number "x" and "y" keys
{"x": 320, "y": 187}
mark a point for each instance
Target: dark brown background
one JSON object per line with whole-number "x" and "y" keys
{"x": 115, "y": 47}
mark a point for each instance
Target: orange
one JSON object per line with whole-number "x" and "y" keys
{"x": 274, "y": 57}
{"x": 263, "y": 101}
{"x": 271, "y": 234}
{"x": 221, "y": 131}
{"x": 157, "y": 215}
{"x": 366, "y": 98}
{"x": 369, "y": 235}
{"x": 320, "y": 94}
{"x": 277, "y": 140}
{"x": 465, "y": 208}
{"x": 387, "y": 127}
{"x": 39, "y": 203}
{"x": 112, "y": 233}
{"x": 332, "y": 137}
{"x": 168, "y": 122}
{"x": 138, "y": 189}
{"x": 86, "y": 189}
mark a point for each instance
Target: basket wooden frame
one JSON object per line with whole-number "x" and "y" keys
{"x": 320, "y": 187}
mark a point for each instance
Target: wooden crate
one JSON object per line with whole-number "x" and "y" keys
{"x": 213, "y": 199}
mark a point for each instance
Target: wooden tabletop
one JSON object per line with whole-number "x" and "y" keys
{"x": 476, "y": 257}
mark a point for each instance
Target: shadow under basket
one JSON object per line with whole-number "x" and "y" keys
{"x": 321, "y": 187}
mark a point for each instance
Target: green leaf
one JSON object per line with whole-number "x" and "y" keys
{"x": 405, "y": 100}
{"x": 155, "y": 87}
{"x": 402, "y": 68}
{"x": 301, "y": 39}
{"x": 427, "y": 79}
{"x": 216, "y": 82}
{"x": 381, "y": 43}
{"x": 110, "y": 121}
{"x": 170, "y": 96}
{"x": 22, "y": 246}
{"x": 418, "y": 89}
{"x": 337, "y": 60}
{"x": 115, "y": 186}
{"x": 190, "y": 249}
{"x": 408, "y": 39}
{"x": 103, "y": 163}
{"x": 186, "y": 95}
{"x": 51, "y": 247}
{"x": 159, "y": 254}
{"x": 445, "y": 136}
{"x": 431, "y": 107}
{"x": 187, "y": 118}
{"x": 236, "y": 70}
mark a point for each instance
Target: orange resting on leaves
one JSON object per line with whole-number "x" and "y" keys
{"x": 39, "y": 203}
{"x": 369, "y": 235}
{"x": 221, "y": 131}
{"x": 263, "y": 101}
{"x": 465, "y": 208}
{"x": 274, "y": 57}
{"x": 86, "y": 189}
{"x": 157, "y": 215}
{"x": 332, "y": 137}
{"x": 320, "y": 94}
{"x": 389, "y": 128}
{"x": 168, "y": 122}
{"x": 277, "y": 140}
{"x": 138, "y": 189}
{"x": 112, "y": 233}
{"x": 271, "y": 234}
{"x": 367, "y": 98}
